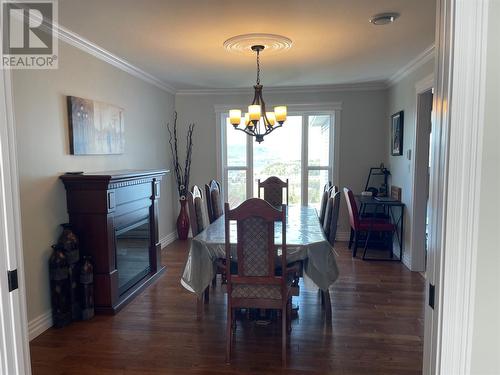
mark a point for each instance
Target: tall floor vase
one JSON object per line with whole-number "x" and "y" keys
{"x": 183, "y": 222}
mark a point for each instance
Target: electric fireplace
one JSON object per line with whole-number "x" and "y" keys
{"x": 115, "y": 215}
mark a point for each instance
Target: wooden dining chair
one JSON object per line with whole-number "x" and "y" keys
{"x": 213, "y": 195}
{"x": 364, "y": 225}
{"x": 198, "y": 222}
{"x": 273, "y": 190}
{"x": 324, "y": 200}
{"x": 255, "y": 285}
{"x": 331, "y": 217}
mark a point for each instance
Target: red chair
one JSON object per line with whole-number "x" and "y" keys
{"x": 364, "y": 225}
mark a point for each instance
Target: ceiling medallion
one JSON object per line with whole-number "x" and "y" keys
{"x": 273, "y": 43}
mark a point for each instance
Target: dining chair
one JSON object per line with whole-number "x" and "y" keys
{"x": 324, "y": 200}
{"x": 198, "y": 222}
{"x": 331, "y": 217}
{"x": 366, "y": 225}
{"x": 255, "y": 285}
{"x": 213, "y": 194}
{"x": 273, "y": 190}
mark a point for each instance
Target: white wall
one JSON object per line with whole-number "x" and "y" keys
{"x": 402, "y": 97}
{"x": 486, "y": 331}
{"x": 363, "y": 133}
{"x": 43, "y": 149}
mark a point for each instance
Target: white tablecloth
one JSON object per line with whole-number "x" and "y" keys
{"x": 305, "y": 241}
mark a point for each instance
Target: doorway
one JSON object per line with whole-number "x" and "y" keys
{"x": 421, "y": 173}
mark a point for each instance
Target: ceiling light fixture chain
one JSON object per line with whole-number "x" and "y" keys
{"x": 258, "y": 67}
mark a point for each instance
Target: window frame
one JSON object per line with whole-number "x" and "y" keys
{"x": 305, "y": 110}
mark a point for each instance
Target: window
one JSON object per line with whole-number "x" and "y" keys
{"x": 303, "y": 150}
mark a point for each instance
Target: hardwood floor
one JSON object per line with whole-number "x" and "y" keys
{"x": 376, "y": 328}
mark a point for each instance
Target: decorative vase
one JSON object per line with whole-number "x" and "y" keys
{"x": 183, "y": 222}
{"x": 87, "y": 288}
{"x": 60, "y": 287}
{"x": 68, "y": 241}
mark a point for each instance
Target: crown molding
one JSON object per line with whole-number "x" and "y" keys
{"x": 85, "y": 45}
{"x": 360, "y": 86}
{"x": 417, "y": 62}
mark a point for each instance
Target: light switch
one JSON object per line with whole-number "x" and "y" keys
{"x": 408, "y": 154}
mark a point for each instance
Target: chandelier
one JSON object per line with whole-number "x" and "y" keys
{"x": 257, "y": 121}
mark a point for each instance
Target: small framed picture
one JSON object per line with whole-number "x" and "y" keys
{"x": 397, "y": 134}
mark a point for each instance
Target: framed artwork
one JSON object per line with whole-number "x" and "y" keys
{"x": 95, "y": 128}
{"x": 397, "y": 134}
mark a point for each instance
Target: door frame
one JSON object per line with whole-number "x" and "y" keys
{"x": 458, "y": 122}
{"x": 14, "y": 342}
{"x": 420, "y": 161}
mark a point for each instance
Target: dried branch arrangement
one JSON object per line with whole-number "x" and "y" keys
{"x": 182, "y": 176}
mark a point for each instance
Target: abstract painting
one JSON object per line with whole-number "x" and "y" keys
{"x": 95, "y": 128}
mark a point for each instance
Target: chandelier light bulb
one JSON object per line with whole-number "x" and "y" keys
{"x": 254, "y": 111}
{"x": 280, "y": 113}
{"x": 247, "y": 120}
{"x": 271, "y": 118}
{"x": 235, "y": 116}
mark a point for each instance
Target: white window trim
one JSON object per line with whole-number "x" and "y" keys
{"x": 332, "y": 108}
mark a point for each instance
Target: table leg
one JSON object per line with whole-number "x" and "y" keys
{"x": 207, "y": 294}
{"x": 199, "y": 307}
{"x": 327, "y": 303}
{"x": 402, "y": 233}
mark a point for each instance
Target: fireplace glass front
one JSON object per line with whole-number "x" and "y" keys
{"x": 132, "y": 254}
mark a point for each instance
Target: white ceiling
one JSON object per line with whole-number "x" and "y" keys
{"x": 180, "y": 41}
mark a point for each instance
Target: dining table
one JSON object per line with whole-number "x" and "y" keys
{"x": 305, "y": 242}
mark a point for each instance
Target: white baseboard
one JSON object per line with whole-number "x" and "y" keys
{"x": 168, "y": 239}
{"x": 39, "y": 325}
{"x": 407, "y": 260}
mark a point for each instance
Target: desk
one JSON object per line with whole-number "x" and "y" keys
{"x": 386, "y": 206}
{"x": 305, "y": 241}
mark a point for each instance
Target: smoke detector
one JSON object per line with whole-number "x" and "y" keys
{"x": 384, "y": 18}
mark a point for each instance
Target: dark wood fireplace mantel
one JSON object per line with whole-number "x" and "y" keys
{"x": 115, "y": 215}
